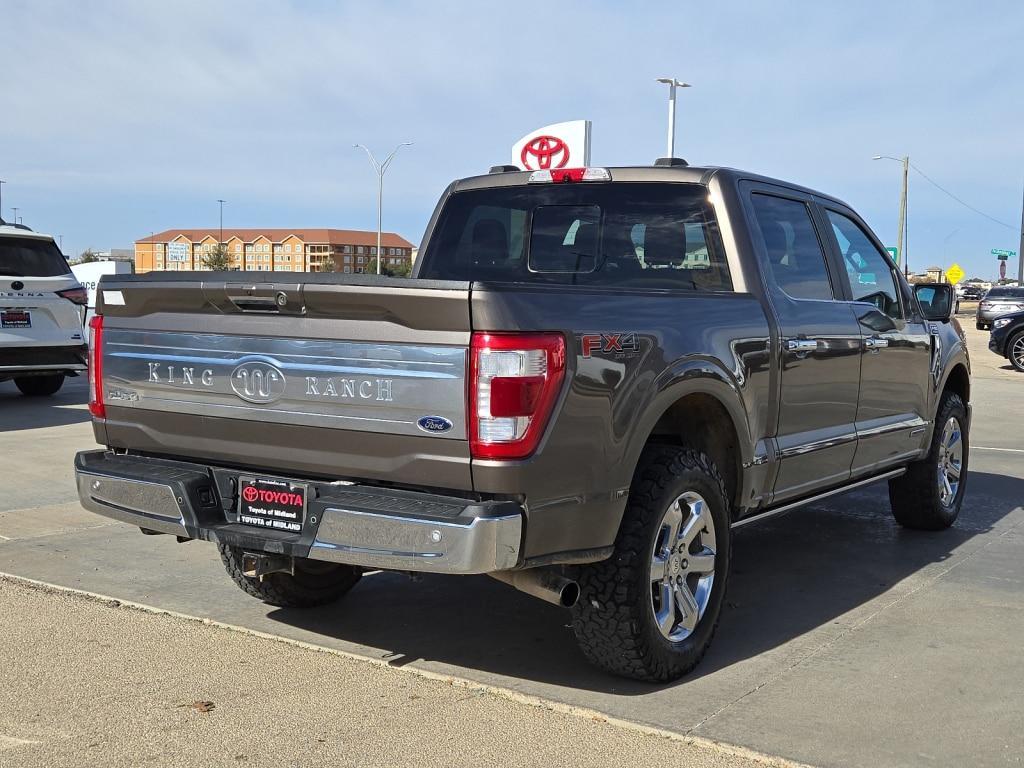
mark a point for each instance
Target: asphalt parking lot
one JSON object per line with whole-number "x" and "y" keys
{"x": 845, "y": 641}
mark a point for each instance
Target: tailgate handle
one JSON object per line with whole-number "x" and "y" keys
{"x": 257, "y": 303}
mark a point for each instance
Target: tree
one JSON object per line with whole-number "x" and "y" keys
{"x": 88, "y": 256}
{"x": 328, "y": 264}
{"x": 400, "y": 270}
{"x": 218, "y": 259}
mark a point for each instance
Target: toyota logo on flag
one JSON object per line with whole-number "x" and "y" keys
{"x": 550, "y": 147}
{"x": 544, "y": 152}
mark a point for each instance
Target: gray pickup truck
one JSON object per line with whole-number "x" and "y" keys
{"x": 592, "y": 378}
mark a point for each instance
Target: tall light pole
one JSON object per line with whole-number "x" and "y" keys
{"x": 381, "y": 169}
{"x": 221, "y": 241}
{"x": 1020, "y": 250}
{"x": 901, "y": 254}
{"x": 15, "y": 214}
{"x": 2, "y": 182}
{"x": 672, "y": 84}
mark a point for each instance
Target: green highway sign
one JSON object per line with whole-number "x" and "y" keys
{"x": 1004, "y": 257}
{"x": 1003, "y": 254}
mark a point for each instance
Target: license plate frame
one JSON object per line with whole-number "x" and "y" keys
{"x": 272, "y": 504}
{"x": 15, "y": 318}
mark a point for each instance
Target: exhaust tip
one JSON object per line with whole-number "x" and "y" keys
{"x": 570, "y": 595}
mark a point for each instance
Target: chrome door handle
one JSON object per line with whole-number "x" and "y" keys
{"x": 874, "y": 343}
{"x": 801, "y": 345}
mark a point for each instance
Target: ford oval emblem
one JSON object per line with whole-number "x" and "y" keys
{"x": 258, "y": 382}
{"x": 434, "y": 424}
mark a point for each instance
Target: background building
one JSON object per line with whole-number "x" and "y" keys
{"x": 272, "y": 250}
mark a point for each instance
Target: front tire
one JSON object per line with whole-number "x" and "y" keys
{"x": 40, "y": 386}
{"x": 650, "y": 611}
{"x": 928, "y": 496}
{"x": 1015, "y": 351}
{"x": 313, "y": 583}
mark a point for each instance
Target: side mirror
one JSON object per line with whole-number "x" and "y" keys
{"x": 937, "y": 300}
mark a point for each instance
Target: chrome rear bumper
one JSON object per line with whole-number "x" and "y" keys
{"x": 358, "y": 525}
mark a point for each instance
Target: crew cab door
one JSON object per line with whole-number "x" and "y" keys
{"x": 819, "y": 368}
{"x": 896, "y": 358}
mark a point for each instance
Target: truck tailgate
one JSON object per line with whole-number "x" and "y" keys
{"x": 329, "y": 375}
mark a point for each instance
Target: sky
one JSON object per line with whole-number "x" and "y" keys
{"x": 118, "y": 119}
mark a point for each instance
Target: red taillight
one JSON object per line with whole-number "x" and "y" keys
{"x": 75, "y": 295}
{"x": 515, "y": 379}
{"x": 96, "y": 407}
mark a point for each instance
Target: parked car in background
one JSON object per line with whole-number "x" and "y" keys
{"x": 970, "y": 292}
{"x": 1007, "y": 338}
{"x": 42, "y": 312}
{"x": 1001, "y": 300}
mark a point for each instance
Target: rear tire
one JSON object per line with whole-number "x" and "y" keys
{"x": 1015, "y": 351}
{"x": 650, "y": 611}
{"x": 314, "y": 582}
{"x": 40, "y": 386}
{"x": 980, "y": 326}
{"x": 929, "y": 495}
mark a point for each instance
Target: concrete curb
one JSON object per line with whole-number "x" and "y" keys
{"x": 464, "y": 683}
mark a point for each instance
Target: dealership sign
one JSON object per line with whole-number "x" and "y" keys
{"x": 561, "y": 145}
{"x": 177, "y": 251}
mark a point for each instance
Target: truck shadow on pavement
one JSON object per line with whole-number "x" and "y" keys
{"x": 20, "y": 412}
{"x": 791, "y": 575}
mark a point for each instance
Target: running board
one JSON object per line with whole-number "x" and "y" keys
{"x": 835, "y": 491}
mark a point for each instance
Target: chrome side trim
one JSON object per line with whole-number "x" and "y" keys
{"x": 400, "y": 543}
{"x": 915, "y": 423}
{"x": 147, "y": 505}
{"x": 817, "y": 445}
{"x": 835, "y": 491}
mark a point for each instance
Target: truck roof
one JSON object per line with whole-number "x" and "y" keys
{"x": 679, "y": 174}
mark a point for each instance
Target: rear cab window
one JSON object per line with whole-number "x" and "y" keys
{"x": 626, "y": 234}
{"x": 31, "y": 257}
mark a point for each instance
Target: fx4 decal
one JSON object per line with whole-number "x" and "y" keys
{"x": 609, "y": 344}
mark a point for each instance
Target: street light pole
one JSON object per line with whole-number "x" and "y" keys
{"x": 381, "y": 169}
{"x": 221, "y": 241}
{"x": 672, "y": 83}
{"x": 15, "y": 214}
{"x": 2, "y": 182}
{"x": 901, "y": 254}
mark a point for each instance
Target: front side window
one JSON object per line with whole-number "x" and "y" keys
{"x": 795, "y": 257}
{"x": 868, "y": 272}
{"x": 630, "y": 235}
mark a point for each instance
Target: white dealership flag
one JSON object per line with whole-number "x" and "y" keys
{"x": 560, "y": 145}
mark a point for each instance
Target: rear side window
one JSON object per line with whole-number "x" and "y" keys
{"x": 1005, "y": 293}
{"x": 795, "y": 257}
{"x": 632, "y": 235}
{"x": 29, "y": 257}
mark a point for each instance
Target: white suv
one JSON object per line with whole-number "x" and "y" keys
{"x": 42, "y": 309}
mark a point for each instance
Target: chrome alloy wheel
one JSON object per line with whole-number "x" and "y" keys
{"x": 683, "y": 566}
{"x": 951, "y": 456}
{"x": 1017, "y": 352}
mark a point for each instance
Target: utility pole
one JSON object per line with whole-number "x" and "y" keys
{"x": 901, "y": 234}
{"x": 672, "y": 84}
{"x": 1020, "y": 250}
{"x": 15, "y": 214}
{"x": 902, "y": 253}
{"x": 381, "y": 169}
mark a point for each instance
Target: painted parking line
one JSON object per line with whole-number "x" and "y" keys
{"x": 1005, "y": 450}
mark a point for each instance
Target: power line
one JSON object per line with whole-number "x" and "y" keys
{"x": 938, "y": 186}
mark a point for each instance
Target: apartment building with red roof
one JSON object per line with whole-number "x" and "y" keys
{"x": 272, "y": 250}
